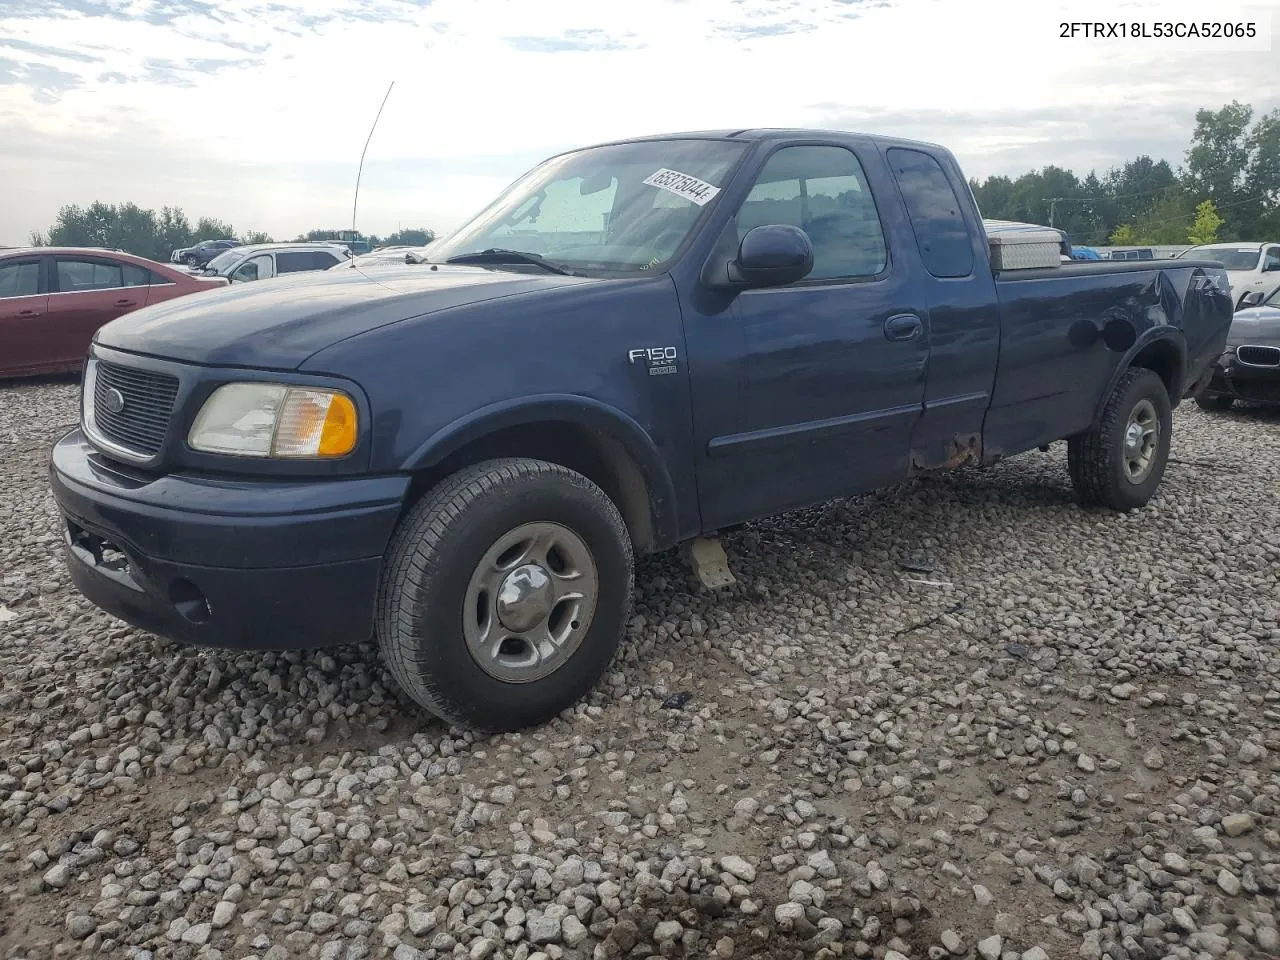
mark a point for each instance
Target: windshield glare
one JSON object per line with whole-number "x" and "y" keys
{"x": 1239, "y": 259}
{"x": 223, "y": 260}
{"x": 592, "y": 209}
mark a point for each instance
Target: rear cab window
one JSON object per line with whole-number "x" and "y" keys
{"x": 937, "y": 218}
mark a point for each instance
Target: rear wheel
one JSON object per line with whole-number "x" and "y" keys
{"x": 1120, "y": 460}
{"x": 505, "y": 594}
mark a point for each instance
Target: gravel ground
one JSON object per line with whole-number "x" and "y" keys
{"x": 964, "y": 717}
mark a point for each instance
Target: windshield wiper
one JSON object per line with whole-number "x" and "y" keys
{"x": 496, "y": 255}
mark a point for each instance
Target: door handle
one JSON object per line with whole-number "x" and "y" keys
{"x": 125, "y": 303}
{"x": 903, "y": 326}
{"x": 27, "y": 313}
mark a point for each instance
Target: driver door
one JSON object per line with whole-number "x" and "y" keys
{"x": 810, "y": 391}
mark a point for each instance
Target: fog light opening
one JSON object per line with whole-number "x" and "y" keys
{"x": 189, "y": 601}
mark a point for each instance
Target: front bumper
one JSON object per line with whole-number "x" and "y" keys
{"x": 1249, "y": 382}
{"x": 225, "y": 563}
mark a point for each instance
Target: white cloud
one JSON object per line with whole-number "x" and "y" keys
{"x": 256, "y": 112}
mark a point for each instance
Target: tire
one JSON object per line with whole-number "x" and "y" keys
{"x": 1214, "y": 402}
{"x": 1099, "y": 460}
{"x": 447, "y": 576}
{"x": 190, "y": 261}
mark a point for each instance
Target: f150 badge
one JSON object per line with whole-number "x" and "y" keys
{"x": 660, "y": 360}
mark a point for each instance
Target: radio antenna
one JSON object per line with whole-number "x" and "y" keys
{"x": 359, "y": 170}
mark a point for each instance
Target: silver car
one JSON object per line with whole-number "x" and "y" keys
{"x": 1249, "y": 368}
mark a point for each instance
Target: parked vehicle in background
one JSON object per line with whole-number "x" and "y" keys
{"x": 53, "y": 300}
{"x": 1251, "y": 267}
{"x": 636, "y": 345}
{"x": 398, "y": 254}
{"x": 1249, "y": 368}
{"x": 354, "y": 241}
{"x": 202, "y": 252}
{"x": 264, "y": 260}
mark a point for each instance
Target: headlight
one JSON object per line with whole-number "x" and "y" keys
{"x": 273, "y": 420}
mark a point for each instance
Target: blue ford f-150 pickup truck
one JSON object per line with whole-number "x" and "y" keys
{"x": 636, "y": 345}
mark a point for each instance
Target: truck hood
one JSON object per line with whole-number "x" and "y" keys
{"x": 1256, "y": 325}
{"x": 278, "y": 323}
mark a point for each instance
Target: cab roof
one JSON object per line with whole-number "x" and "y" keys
{"x": 755, "y": 134}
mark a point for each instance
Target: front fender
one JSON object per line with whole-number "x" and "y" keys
{"x": 585, "y": 412}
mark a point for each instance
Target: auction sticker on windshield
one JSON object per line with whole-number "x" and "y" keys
{"x": 682, "y": 185}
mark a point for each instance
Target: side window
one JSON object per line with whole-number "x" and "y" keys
{"x": 255, "y": 268}
{"x": 937, "y": 219}
{"x": 1272, "y": 259}
{"x": 322, "y": 260}
{"x": 156, "y": 280}
{"x": 20, "y": 279}
{"x": 294, "y": 262}
{"x": 822, "y": 190}
{"x": 135, "y": 276}
{"x": 79, "y": 276}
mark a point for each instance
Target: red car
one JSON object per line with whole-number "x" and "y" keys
{"x": 53, "y": 300}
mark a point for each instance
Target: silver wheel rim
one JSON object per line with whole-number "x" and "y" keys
{"x": 1141, "y": 440}
{"x": 530, "y": 602}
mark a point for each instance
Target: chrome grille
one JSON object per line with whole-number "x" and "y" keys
{"x": 1254, "y": 356}
{"x": 140, "y": 426}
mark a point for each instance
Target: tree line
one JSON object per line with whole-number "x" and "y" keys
{"x": 155, "y": 234}
{"x": 1227, "y": 188}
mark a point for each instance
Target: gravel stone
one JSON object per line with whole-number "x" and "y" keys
{"x": 1038, "y": 746}
{"x": 989, "y": 949}
{"x": 80, "y": 925}
{"x": 667, "y": 931}
{"x": 739, "y": 867}
{"x": 1234, "y": 825}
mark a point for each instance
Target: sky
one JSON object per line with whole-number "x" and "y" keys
{"x": 256, "y": 111}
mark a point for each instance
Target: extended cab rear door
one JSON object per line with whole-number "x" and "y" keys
{"x": 964, "y": 311}
{"x": 809, "y": 391}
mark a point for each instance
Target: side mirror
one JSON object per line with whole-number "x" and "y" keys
{"x": 770, "y": 256}
{"x": 1250, "y": 299}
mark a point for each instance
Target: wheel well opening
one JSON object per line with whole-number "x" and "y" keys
{"x": 1164, "y": 360}
{"x": 596, "y": 455}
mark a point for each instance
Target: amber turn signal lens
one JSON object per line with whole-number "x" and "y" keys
{"x": 315, "y": 423}
{"x": 338, "y": 436}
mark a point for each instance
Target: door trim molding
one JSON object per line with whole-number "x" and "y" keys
{"x": 811, "y": 430}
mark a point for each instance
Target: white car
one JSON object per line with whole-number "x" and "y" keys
{"x": 263, "y": 260}
{"x": 1251, "y": 267}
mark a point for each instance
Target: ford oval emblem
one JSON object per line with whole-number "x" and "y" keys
{"x": 113, "y": 401}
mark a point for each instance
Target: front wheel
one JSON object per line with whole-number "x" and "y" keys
{"x": 1120, "y": 460}
{"x": 505, "y": 594}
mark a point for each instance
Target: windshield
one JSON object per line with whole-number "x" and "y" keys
{"x": 223, "y": 260}
{"x": 1239, "y": 259}
{"x": 619, "y": 208}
